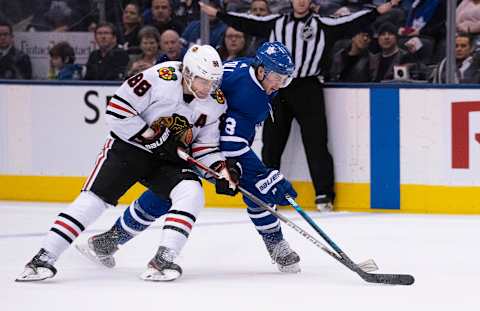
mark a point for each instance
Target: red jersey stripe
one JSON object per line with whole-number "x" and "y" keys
{"x": 119, "y": 107}
{"x": 181, "y": 221}
{"x": 61, "y": 223}
{"x": 197, "y": 149}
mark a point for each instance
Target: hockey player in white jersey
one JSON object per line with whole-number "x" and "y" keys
{"x": 249, "y": 84}
{"x": 170, "y": 105}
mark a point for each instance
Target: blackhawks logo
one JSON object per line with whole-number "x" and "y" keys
{"x": 167, "y": 73}
{"x": 219, "y": 96}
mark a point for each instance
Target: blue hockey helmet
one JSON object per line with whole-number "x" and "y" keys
{"x": 274, "y": 57}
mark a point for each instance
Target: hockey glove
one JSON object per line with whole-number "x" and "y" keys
{"x": 275, "y": 187}
{"x": 179, "y": 127}
{"x": 152, "y": 138}
{"x": 231, "y": 172}
{"x": 166, "y": 134}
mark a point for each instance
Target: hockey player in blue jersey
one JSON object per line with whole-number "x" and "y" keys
{"x": 249, "y": 85}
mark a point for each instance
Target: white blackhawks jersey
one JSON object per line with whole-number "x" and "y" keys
{"x": 158, "y": 92}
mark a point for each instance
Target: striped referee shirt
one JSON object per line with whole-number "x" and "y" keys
{"x": 308, "y": 38}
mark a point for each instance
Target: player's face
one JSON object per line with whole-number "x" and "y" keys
{"x": 203, "y": 87}
{"x": 275, "y": 81}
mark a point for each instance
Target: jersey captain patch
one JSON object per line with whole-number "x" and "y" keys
{"x": 219, "y": 97}
{"x": 167, "y": 73}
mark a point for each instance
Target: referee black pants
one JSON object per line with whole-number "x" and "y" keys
{"x": 302, "y": 100}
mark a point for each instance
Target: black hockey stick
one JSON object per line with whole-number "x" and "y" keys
{"x": 394, "y": 279}
{"x": 402, "y": 279}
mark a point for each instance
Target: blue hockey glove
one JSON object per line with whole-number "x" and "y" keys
{"x": 275, "y": 187}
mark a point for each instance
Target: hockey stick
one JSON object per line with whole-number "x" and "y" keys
{"x": 367, "y": 266}
{"x": 393, "y": 279}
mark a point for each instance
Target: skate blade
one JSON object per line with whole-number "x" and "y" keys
{"x": 325, "y": 207}
{"x": 295, "y": 268}
{"x": 108, "y": 262}
{"x": 29, "y": 275}
{"x": 154, "y": 275}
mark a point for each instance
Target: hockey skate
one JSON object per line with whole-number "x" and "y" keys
{"x": 162, "y": 267}
{"x": 39, "y": 268}
{"x": 101, "y": 248}
{"x": 324, "y": 203}
{"x": 286, "y": 259}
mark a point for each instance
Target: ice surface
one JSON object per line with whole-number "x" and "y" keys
{"x": 227, "y": 268}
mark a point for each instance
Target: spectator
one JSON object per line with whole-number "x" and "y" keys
{"x": 60, "y": 15}
{"x": 308, "y": 38}
{"x": 467, "y": 65}
{"x": 350, "y": 64}
{"x": 395, "y": 16}
{"x": 150, "y": 46}
{"x": 62, "y": 67}
{"x": 131, "y": 24}
{"x": 426, "y": 20}
{"x": 233, "y": 45}
{"x": 468, "y": 17}
{"x": 109, "y": 62}
{"x": 15, "y": 11}
{"x": 171, "y": 47}
{"x": 381, "y": 64}
{"x": 14, "y": 64}
{"x": 187, "y": 11}
{"x": 162, "y": 17}
{"x": 327, "y": 7}
{"x": 217, "y": 29}
{"x": 258, "y": 8}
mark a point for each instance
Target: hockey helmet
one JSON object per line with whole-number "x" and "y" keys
{"x": 204, "y": 62}
{"x": 274, "y": 57}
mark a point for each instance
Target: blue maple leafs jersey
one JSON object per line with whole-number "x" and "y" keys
{"x": 248, "y": 106}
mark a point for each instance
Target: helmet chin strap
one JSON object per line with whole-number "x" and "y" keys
{"x": 189, "y": 87}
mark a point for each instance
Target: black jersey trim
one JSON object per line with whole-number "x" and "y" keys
{"x": 139, "y": 133}
{"x": 183, "y": 213}
{"x": 124, "y": 101}
{"x": 63, "y": 235}
{"x": 185, "y": 233}
{"x": 76, "y": 222}
{"x": 116, "y": 115}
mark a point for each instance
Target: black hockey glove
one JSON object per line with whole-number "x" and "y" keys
{"x": 169, "y": 134}
{"x": 179, "y": 127}
{"x": 155, "y": 141}
{"x": 231, "y": 172}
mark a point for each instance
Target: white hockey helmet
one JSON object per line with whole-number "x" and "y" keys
{"x": 204, "y": 62}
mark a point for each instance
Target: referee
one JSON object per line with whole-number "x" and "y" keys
{"x": 308, "y": 38}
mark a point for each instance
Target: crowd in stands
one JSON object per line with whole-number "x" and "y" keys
{"x": 141, "y": 33}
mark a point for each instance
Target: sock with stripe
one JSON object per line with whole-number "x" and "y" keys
{"x": 64, "y": 231}
{"x": 187, "y": 200}
{"x": 267, "y": 225}
{"x": 72, "y": 221}
{"x": 140, "y": 215}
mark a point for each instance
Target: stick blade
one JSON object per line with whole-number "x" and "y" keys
{"x": 392, "y": 279}
{"x": 368, "y": 265}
